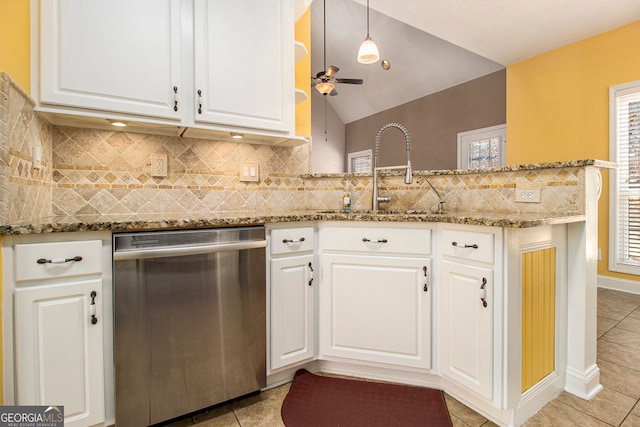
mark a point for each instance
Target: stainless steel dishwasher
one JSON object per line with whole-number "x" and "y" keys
{"x": 189, "y": 320}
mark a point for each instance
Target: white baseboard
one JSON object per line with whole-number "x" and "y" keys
{"x": 617, "y": 284}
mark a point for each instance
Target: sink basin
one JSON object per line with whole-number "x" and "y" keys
{"x": 352, "y": 211}
{"x": 380, "y": 212}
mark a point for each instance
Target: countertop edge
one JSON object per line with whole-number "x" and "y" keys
{"x": 491, "y": 220}
{"x": 603, "y": 164}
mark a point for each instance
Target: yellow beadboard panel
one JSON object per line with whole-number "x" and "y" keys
{"x": 538, "y": 315}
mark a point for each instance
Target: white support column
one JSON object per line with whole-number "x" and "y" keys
{"x": 583, "y": 375}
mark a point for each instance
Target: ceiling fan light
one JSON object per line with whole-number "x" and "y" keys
{"x": 325, "y": 87}
{"x": 368, "y": 52}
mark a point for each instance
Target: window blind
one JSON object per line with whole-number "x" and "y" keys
{"x": 633, "y": 190}
{"x": 360, "y": 161}
{"x": 625, "y": 198}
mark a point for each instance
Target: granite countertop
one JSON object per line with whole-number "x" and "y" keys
{"x": 164, "y": 221}
{"x": 603, "y": 164}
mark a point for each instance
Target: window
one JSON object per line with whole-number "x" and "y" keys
{"x": 624, "y": 227}
{"x": 360, "y": 161}
{"x": 482, "y": 148}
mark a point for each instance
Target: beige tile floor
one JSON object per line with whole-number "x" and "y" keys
{"x": 617, "y": 405}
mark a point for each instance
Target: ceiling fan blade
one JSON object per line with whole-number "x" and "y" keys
{"x": 334, "y": 92}
{"x": 350, "y": 81}
{"x": 331, "y": 71}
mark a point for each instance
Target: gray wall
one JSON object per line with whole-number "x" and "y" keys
{"x": 327, "y": 137}
{"x": 433, "y": 122}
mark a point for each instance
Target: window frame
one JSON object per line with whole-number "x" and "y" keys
{"x": 363, "y": 153}
{"x": 617, "y": 260}
{"x": 465, "y": 139}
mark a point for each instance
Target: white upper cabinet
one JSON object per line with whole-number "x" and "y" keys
{"x": 244, "y": 63}
{"x": 120, "y": 56}
{"x": 205, "y": 65}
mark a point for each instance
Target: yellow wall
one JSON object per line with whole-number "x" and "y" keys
{"x": 558, "y": 107}
{"x": 14, "y": 41}
{"x": 14, "y": 60}
{"x": 1, "y": 354}
{"x": 303, "y": 75}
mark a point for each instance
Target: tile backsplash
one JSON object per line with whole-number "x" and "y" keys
{"x": 108, "y": 172}
{"x": 87, "y": 171}
{"x": 25, "y": 191}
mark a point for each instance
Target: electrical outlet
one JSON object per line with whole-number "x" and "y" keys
{"x": 159, "y": 165}
{"x": 528, "y": 195}
{"x": 249, "y": 172}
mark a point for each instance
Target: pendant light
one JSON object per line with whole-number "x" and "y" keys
{"x": 368, "y": 52}
{"x": 324, "y": 86}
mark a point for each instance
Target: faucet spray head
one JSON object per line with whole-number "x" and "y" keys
{"x": 408, "y": 178}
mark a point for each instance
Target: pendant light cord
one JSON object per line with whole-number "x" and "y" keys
{"x": 367, "y": 18}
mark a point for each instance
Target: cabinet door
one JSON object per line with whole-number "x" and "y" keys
{"x": 467, "y": 326}
{"x": 244, "y": 63}
{"x": 118, "y": 55}
{"x": 59, "y": 351}
{"x": 292, "y": 310}
{"x": 376, "y": 309}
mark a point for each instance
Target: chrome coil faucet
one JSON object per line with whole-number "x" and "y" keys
{"x": 408, "y": 176}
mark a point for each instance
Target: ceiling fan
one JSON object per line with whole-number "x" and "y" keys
{"x": 325, "y": 81}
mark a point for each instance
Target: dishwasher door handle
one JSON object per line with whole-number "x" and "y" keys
{"x": 187, "y": 250}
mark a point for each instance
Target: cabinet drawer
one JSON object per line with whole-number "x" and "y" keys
{"x": 468, "y": 245}
{"x": 60, "y": 254}
{"x": 378, "y": 240}
{"x": 291, "y": 240}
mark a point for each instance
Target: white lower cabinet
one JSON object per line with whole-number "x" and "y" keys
{"x": 292, "y": 310}
{"x": 377, "y": 309}
{"x": 58, "y": 328}
{"x": 467, "y": 326}
{"x": 375, "y": 297}
{"x": 292, "y": 301}
{"x": 470, "y": 286}
{"x": 59, "y": 351}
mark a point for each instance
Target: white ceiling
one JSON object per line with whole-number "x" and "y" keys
{"x": 436, "y": 44}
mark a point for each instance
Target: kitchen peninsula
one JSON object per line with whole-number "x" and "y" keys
{"x": 559, "y": 233}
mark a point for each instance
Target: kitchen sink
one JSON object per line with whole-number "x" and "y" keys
{"x": 379, "y": 212}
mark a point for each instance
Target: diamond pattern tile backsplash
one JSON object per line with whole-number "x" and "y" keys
{"x": 87, "y": 171}
{"x": 110, "y": 172}
{"x": 25, "y": 190}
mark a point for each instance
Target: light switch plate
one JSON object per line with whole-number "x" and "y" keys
{"x": 528, "y": 195}
{"x": 159, "y": 165}
{"x": 249, "y": 171}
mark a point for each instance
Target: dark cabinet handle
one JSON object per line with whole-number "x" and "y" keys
{"x": 426, "y": 279}
{"x": 175, "y": 98}
{"x": 92, "y": 308}
{"x": 464, "y": 245}
{"x": 483, "y": 292}
{"x": 199, "y": 101}
{"x": 300, "y": 240}
{"x": 364, "y": 239}
{"x": 310, "y": 274}
{"x": 58, "y": 260}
